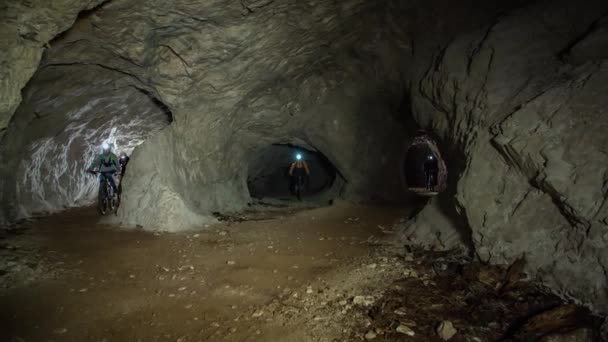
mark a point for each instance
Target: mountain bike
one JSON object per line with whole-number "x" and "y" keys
{"x": 106, "y": 199}
{"x": 298, "y": 186}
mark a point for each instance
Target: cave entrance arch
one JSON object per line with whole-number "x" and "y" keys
{"x": 421, "y": 158}
{"x": 268, "y": 173}
{"x": 58, "y": 131}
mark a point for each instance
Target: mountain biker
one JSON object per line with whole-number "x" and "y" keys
{"x": 298, "y": 170}
{"x": 107, "y": 165}
{"x": 431, "y": 169}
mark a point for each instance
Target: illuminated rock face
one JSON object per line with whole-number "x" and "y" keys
{"x": 66, "y": 115}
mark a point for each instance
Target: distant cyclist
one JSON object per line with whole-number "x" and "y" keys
{"x": 299, "y": 172}
{"x": 107, "y": 165}
{"x": 431, "y": 170}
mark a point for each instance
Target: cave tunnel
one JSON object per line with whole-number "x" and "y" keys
{"x": 268, "y": 174}
{"x": 414, "y": 166}
{"x": 424, "y": 168}
{"x": 212, "y": 100}
{"x": 58, "y": 132}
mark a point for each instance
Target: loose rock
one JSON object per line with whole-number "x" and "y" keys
{"x": 404, "y": 329}
{"x": 446, "y": 330}
{"x": 363, "y": 300}
{"x": 370, "y": 335}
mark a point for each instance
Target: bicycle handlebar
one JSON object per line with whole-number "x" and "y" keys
{"x": 96, "y": 172}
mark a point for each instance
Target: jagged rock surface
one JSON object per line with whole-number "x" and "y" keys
{"x": 532, "y": 128}
{"x": 238, "y": 78}
{"x": 435, "y": 227}
{"x": 25, "y": 28}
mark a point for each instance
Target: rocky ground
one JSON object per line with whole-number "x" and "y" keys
{"x": 273, "y": 273}
{"x": 23, "y": 263}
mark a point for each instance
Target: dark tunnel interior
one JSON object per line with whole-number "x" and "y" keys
{"x": 415, "y": 166}
{"x": 268, "y": 173}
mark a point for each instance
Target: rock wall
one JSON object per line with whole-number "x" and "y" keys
{"x": 254, "y": 77}
{"x": 519, "y": 105}
{"x": 238, "y": 78}
{"x": 26, "y": 27}
{"x": 524, "y": 101}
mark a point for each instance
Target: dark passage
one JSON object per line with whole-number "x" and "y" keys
{"x": 415, "y": 164}
{"x": 268, "y": 173}
{"x": 425, "y": 171}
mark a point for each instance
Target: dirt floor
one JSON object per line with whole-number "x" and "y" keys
{"x": 272, "y": 273}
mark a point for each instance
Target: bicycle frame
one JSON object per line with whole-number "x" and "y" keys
{"x": 105, "y": 199}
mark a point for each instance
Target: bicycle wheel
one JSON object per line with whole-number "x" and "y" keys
{"x": 116, "y": 201}
{"x": 111, "y": 198}
{"x": 102, "y": 199}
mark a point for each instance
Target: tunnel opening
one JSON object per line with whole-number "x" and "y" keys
{"x": 442, "y": 203}
{"x": 268, "y": 174}
{"x": 418, "y": 159}
{"x": 68, "y": 112}
{"x": 69, "y": 109}
{"x": 425, "y": 170}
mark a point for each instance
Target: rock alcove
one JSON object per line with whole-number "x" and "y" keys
{"x": 514, "y": 90}
{"x": 67, "y": 114}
